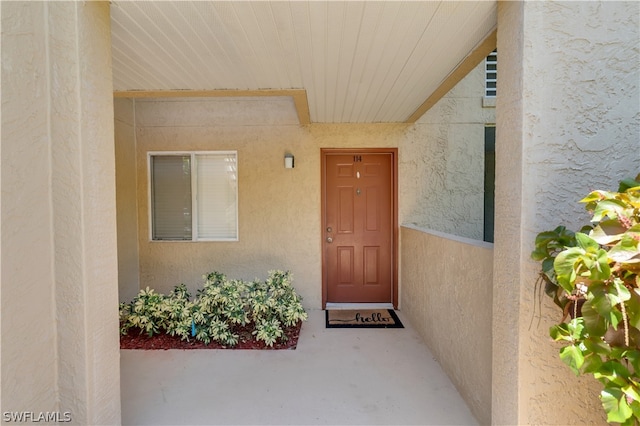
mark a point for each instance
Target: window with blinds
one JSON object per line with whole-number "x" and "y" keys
{"x": 194, "y": 196}
{"x": 491, "y": 74}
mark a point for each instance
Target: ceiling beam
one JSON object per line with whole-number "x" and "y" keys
{"x": 469, "y": 63}
{"x": 299, "y": 96}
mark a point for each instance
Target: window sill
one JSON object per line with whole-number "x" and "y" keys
{"x": 203, "y": 240}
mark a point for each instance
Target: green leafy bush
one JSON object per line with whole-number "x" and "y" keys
{"x": 145, "y": 312}
{"x": 218, "y": 309}
{"x": 594, "y": 276}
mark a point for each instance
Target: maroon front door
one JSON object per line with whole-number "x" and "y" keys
{"x": 358, "y": 226}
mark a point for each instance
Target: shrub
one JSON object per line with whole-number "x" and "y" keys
{"x": 219, "y": 308}
{"x": 146, "y": 312}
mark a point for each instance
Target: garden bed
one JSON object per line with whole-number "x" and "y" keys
{"x": 246, "y": 341}
{"x": 223, "y": 314}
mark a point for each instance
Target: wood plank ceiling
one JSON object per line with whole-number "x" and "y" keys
{"x": 359, "y": 61}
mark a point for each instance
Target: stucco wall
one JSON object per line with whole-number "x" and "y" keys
{"x": 28, "y": 316}
{"x": 447, "y": 295}
{"x": 59, "y": 298}
{"x": 444, "y": 162}
{"x": 279, "y": 209}
{"x": 126, "y": 200}
{"x": 567, "y": 122}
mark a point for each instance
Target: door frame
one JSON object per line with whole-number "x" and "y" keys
{"x": 394, "y": 200}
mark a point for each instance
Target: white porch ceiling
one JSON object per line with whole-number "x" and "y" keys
{"x": 359, "y": 61}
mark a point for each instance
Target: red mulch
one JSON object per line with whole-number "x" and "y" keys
{"x": 246, "y": 341}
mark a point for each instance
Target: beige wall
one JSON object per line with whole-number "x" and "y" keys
{"x": 58, "y": 257}
{"x": 443, "y": 168}
{"x": 567, "y": 122}
{"x": 279, "y": 209}
{"x": 447, "y": 294}
{"x": 126, "y": 200}
{"x": 27, "y": 288}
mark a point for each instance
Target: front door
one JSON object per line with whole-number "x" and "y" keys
{"x": 359, "y": 222}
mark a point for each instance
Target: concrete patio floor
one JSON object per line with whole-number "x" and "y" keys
{"x": 334, "y": 377}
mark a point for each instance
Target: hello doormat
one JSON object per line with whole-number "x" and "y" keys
{"x": 362, "y": 318}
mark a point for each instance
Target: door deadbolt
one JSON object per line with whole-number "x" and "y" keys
{"x": 329, "y": 229}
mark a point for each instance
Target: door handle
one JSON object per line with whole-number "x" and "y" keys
{"x": 329, "y": 239}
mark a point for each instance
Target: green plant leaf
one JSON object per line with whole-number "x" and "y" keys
{"x": 631, "y": 391}
{"x": 610, "y": 208}
{"x": 547, "y": 268}
{"x": 635, "y": 408}
{"x": 549, "y": 241}
{"x": 601, "y": 269}
{"x": 564, "y": 267}
{"x": 603, "y": 298}
{"x": 615, "y": 405}
{"x": 595, "y": 196}
{"x": 607, "y": 232}
{"x": 596, "y": 327}
{"x": 633, "y": 309}
{"x": 586, "y": 243}
{"x": 628, "y": 183}
{"x": 597, "y": 346}
{"x": 576, "y": 328}
{"x": 627, "y": 250}
{"x": 599, "y": 299}
{"x": 560, "y": 332}
{"x": 614, "y": 372}
{"x": 592, "y": 362}
{"x": 573, "y": 357}
{"x": 622, "y": 293}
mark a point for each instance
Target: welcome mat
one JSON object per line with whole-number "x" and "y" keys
{"x": 362, "y": 318}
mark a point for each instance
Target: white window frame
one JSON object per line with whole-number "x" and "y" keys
{"x": 194, "y": 195}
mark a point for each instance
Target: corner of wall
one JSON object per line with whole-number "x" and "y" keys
{"x": 126, "y": 199}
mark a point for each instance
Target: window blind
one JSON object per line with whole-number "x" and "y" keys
{"x": 216, "y": 197}
{"x": 194, "y": 196}
{"x": 171, "y": 197}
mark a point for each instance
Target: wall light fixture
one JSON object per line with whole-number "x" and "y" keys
{"x": 288, "y": 161}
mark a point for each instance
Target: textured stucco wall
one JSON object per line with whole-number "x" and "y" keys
{"x": 126, "y": 200}
{"x": 447, "y": 295}
{"x": 28, "y": 317}
{"x": 59, "y": 307}
{"x": 444, "y": 161}
{"x": 567, "y": 122}
{"x": 279, "y": 209}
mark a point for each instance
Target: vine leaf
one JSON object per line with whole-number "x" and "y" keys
{"x": 615, "y": 404}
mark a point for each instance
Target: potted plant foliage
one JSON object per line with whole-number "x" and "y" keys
{"x": 594, "y": 276}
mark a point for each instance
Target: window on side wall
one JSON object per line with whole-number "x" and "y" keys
{"x": 489, "y": 180}
{"x": 193, "y": 196}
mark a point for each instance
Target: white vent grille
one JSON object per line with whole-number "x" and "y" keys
{"x": 491, "y": 74}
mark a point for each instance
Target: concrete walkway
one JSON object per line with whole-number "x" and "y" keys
{"x": 334, "y": 377}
